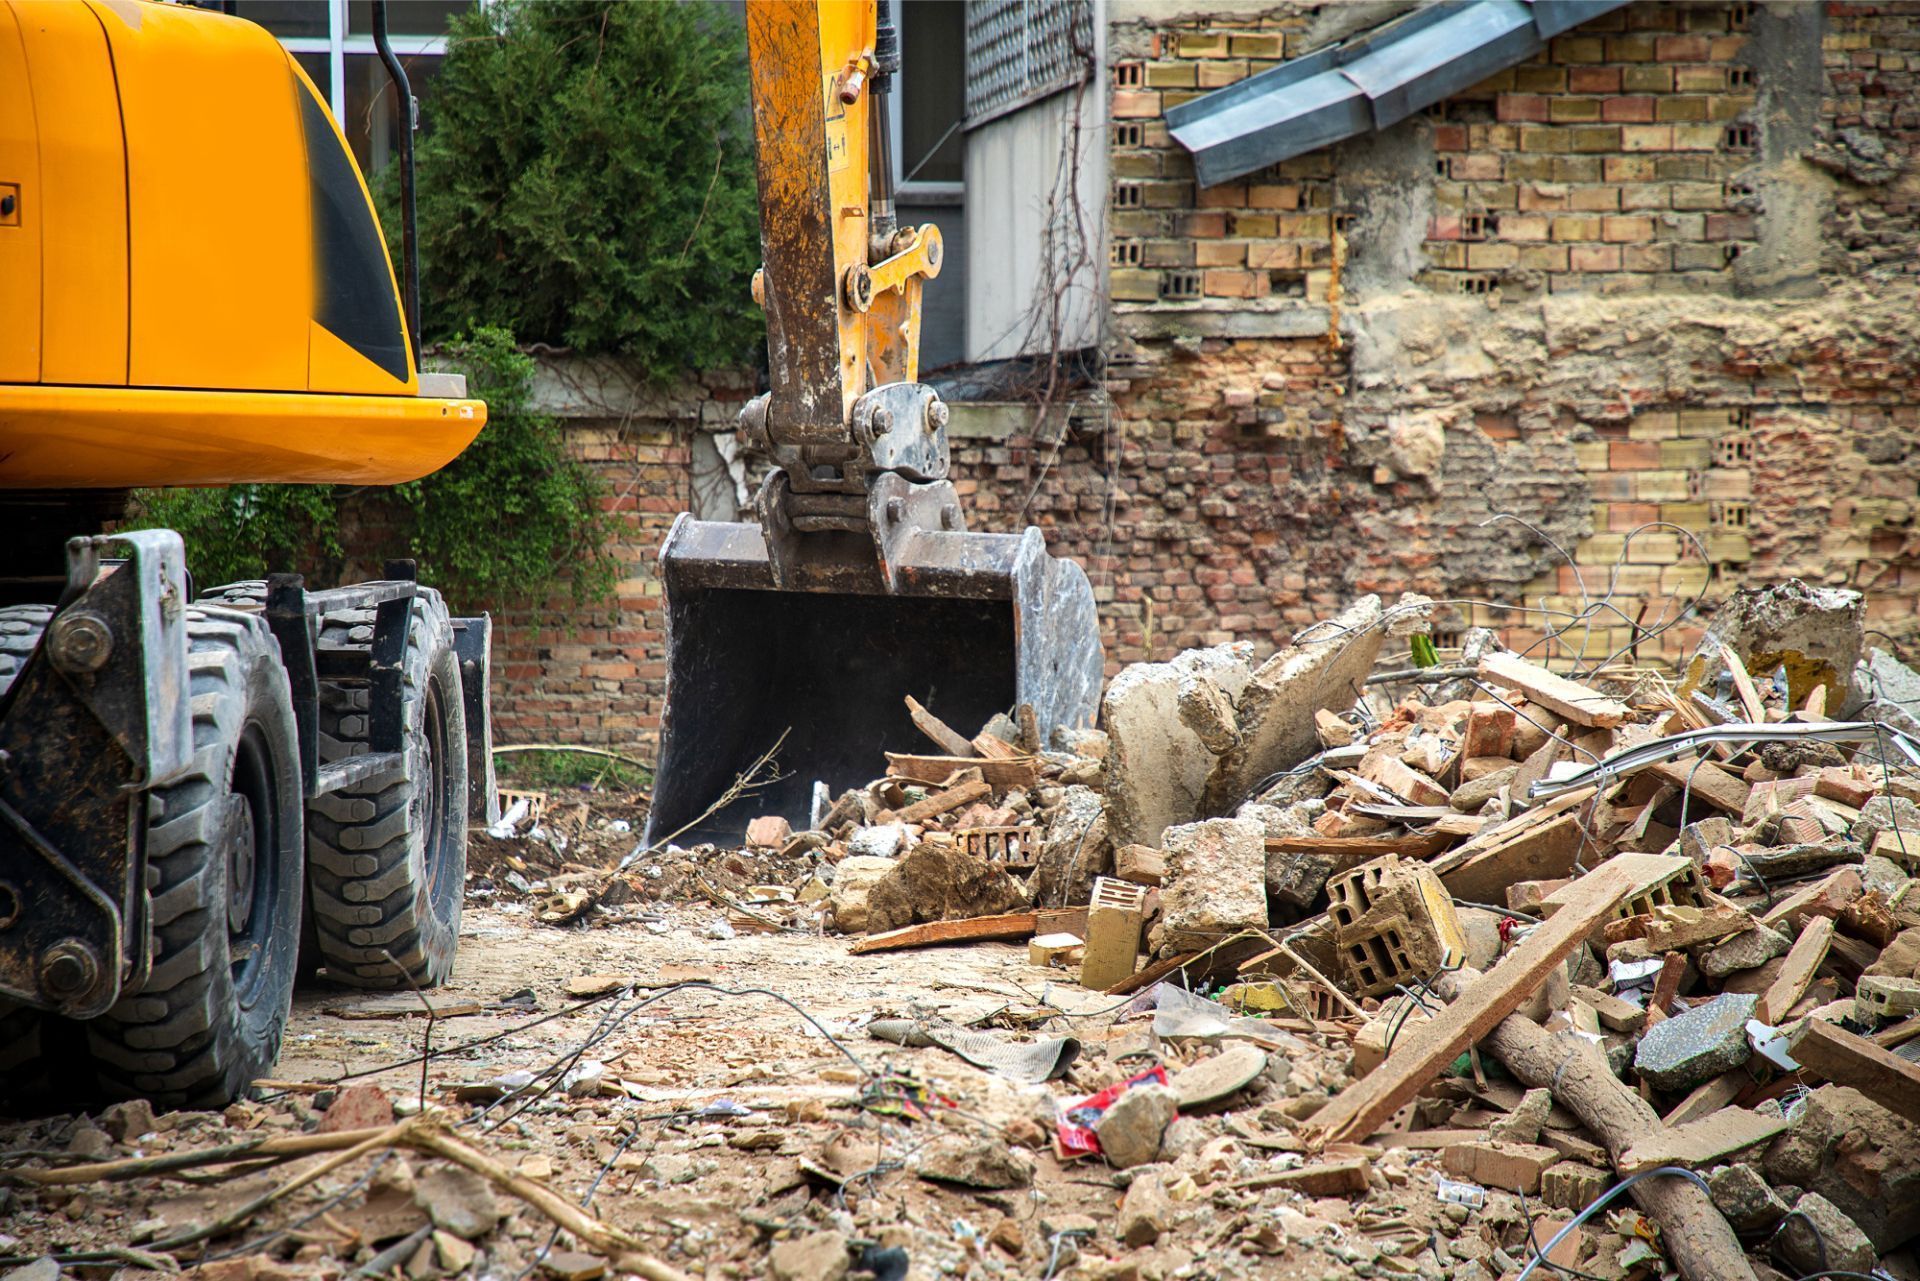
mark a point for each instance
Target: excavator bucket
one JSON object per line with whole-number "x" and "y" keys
{"x": 816, "y": 674}
{"x": 793, "y": 643}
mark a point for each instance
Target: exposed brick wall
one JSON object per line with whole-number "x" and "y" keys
{"x": 1578, "y": 336}
{"x": 1869, "y": 123}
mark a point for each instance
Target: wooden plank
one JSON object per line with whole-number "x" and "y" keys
{"x": 1009, "y": 926}
{"x": 1542, "y": 853}
{"x": 1816, "y": 898}
{"x": 1743, "y": 685}
{"x": 1701, "y": 1143}
{"x": 1830, "y": 1051}
{"x": 994, "y": 748}
{"x": 1019, "y": 771}
{"x": 1808, "y": 951}
{"x": 1888, "y": 1038}
{"x": 1327, "y": 1179}
{"x": 1707, "y": 1098}
{"x": 1578, "y": 703}
{"x": 1418, "y": 1057}
{"x": 1362, "y": 848}
{"x": 1705, "y": 781}
{"x": 1152, "y": 974}
{"x": 975, "y": 789}
{"x": 944, "y": 736}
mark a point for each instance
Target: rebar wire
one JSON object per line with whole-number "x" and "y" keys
{"x": 1600, "y": 1203}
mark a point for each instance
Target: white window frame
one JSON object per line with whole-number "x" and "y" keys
{"x": 337, "y": 44}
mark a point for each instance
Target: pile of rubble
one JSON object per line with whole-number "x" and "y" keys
{"x": 1677, "y": 916}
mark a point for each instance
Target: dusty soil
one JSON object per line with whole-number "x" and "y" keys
{"x": 726, "y": 1123}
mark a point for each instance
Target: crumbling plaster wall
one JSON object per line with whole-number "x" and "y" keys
{"x": 1629, "y": 286}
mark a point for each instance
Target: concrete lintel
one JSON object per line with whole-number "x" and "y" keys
{"x": 572, "y": 386}
{"x": 1000, "y": 419}
{"x": 1240, "y": 320}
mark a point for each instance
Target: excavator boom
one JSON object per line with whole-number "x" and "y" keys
{"x": 860, "y": 584}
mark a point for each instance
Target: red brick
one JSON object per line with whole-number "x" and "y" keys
{"x": 1530, "y": 107}
{"x": 1682, "y": 48}
{"x": 1627, "y": 110}
{"x": 1593, "y": 80}
{"x": 1595, "y": 257}
{"x": 1629, "y": 455}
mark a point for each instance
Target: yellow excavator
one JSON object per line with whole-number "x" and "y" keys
{"x": 196, "y": 793}
{"x": 801, "y": 636}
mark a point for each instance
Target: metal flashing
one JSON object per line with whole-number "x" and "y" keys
{"x": 1367, "y": 83}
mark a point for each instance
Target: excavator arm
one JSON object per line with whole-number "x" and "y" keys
{"x": 861, "y": 583}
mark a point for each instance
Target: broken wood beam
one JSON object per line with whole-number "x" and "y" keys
{"x": 940, "y": 802}
{"x": 1796, "y": 972}
{"x": 946, "y": 737}
{"x": 1424, "y": 1052}
{"x": 1694, "y": 1233}
{"x": 1703, "y": 1142}
{"x": 1007, "y": 927}
{"x": 1578, "y": 703}
{"x": 1018, "y": 771}
{"x": 1360, "y": 848}
{"x": 1828, "y": 1050}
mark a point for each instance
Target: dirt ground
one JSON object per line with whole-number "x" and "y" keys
{"x": 736, "y": 1137}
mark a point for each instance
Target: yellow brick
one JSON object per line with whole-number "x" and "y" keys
{"x": 1655, "y": 547}
{"x": 1601, "y": 549}
{"x": 1684, "y": 580}
{"x": 1660, "y": 486}
{"x": 1704, "y": 422}
{"x": 1692, "y": 516}
{"x": 1658, "y": 424}
{"x": 1591, "y": 454}
{"x": 1732, "y": 549}
{"x": 1687, "y": 454}
{"x": 1727, "y": 483}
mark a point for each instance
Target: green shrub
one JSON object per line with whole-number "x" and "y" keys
{"x": 587, "y": 180}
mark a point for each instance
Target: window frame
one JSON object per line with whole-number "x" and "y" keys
{"x": 920, "y": 191}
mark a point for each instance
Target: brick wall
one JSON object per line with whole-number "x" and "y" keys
{"x": 1650, "y": 293}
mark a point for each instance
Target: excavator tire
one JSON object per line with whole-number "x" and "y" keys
{"x": 386, "y": 863}
{"x": 224, "y": 881}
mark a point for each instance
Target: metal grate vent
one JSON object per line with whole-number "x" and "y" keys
{"x": 1021, "y": 49}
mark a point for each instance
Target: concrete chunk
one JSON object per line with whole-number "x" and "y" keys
{"x": 1816, "y": 633}
{"x": 1131, "y": 1128}
{"x": 853, "y": 879}
{"x": 1818, "y": 1236}
{"x": 1216, "y": 880}
{"x": 1325, "y": 669}
{"x": 1157, "y": 767}
{"x": 1681, "y": 1052}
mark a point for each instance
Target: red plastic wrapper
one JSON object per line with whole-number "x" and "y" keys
{"x": 1074, "y": 1135}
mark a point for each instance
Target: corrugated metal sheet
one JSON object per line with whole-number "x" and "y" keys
{"x": 1366, "y": 83}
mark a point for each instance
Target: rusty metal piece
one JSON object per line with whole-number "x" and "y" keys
{"x": 98, "y": 714}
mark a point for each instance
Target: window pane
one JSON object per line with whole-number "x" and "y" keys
{"x": 405, "y": 17}
{"x": 286, "y": 18}
{"x": 372, "y": 125}
{"x": 932, "y": 85}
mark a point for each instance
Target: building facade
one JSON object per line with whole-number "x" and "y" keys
{"x": 1580, "y": 346}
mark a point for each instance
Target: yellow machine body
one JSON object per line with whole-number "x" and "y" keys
{"x": 194, "y": 289}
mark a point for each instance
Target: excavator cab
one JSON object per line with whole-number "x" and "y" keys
{"x": 801, "y": 634}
